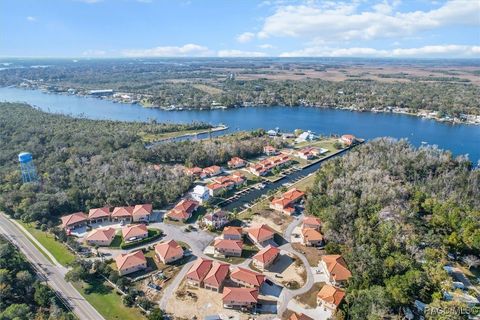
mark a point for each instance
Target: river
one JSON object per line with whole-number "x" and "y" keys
{"x": 459, "y": 138}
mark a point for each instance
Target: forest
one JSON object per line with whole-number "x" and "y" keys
{"x": 398, "y": 214}
{"x": 84, "y": 164}
{"x": 22, "y": 295}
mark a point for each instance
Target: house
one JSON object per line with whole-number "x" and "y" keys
{"x": 130, "y": 262}
{"x": 122, "y": 214}
{"x": 196, "y": 172}
{"x": 269, "y": 150}
{"x": 232, "y": 233}
{"x": 232, "y": 181}
{"x": 200, "y": 194}
{"x": 212, "y": 171}
{"x": 311, "y": 237}
{"x": 74, "y": 220}
{"x": 141, "y": 212}
{"x": 100, "y": 237}
{"x": 99, "y": 215}
{"x": 265, "y": 166}
{"x": 135, "y": 232}
{"x": 198, "y": 272}
{"x": 236, "y": 162}
{"x": 348, "y": 139}
{"x": 247, "y": 278}
{"x": 307, "y": 153}
{"x": 312, "y": 222}
{"x": 272, "y": 133}
{"x": 228, "y": 248}
{"x": 169, "y": 251}
{"x": 299, "y": 316}
{"x": 335, "y": 268}
{"x": 239, "y": 298}
{"x": 183, "y": 210}
{"x": 216, "y": 277}
{"x": 215, "y": 189}
{"x": 305, "y": 136}
{"x": 216, "y": 219}
{"x": 286, "y": 202}
{"x": 330, "y": 297}
{"x": 260, "y": 234}
{"x": 265, "y": 257}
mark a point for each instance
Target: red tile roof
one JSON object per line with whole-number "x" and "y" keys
{"x": 134, "y": 231}
{"x": 337, "y": 267}
{"x": 193, "y": 171}
{"x": 266, "y": 254}
{"x": 312, "y": 221}
{"x": 212, "y": 170}
{"x": 183, "y": 210}
{"x": 331, "y": 294}
{"x": 228, "y": 244}
{"x": 248, "y": 276}
{"x": 300, "y": 316}
{"x": 129, "y": 260}
{"x": 101, "y": 234}
{"x": 168, "y": 249}
{"x": 199, "y": 269}
{"x": 98, "y": 213}
{"x": 261, "y": 233}
{"x": 289, "y": 197}
{"x": 235, "y": 231}
{"x": 142, "y": 209}
{"x": 235, "y": 161}
{"x": 311, "y": 234}
{"x": 245, "y": 295}
{"x": 217, "y": 274}
{"x": 73, "y": 218}
{"x": 122, "y": 212}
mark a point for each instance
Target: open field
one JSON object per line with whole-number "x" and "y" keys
{"x": 309, "y": 298}
{"x": 57, "y": 249}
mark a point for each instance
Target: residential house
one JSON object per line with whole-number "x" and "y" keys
{"x": 74, "y": 220}
{"x": 260, "y": 234}
{"x": 265, "y": 166}
{"x": 247, "y": 278}
{"x": 99, "y": 215}
{"x": 265, "y": 257}
{"x": 183, "y": 210}
{"x": 216, "y": 277}
{"x": 224, "y": 183}
{"x": 130, "y": 262}
{"x": 215, "y": 189}
{"x": 232, "y": 233}
{"x": 196, "y": 172}
{"x": 228, "y": 248}
{"x": 330, "y": 297}
{"x": 312, "y": 222}
{"x": 269, "y": 150}
{"x": 169, "y": 251}
{"x": 212, "y": 171}
{"x": 239, "y": 298}
{"x": 348, "y": 139}
{"x": 311, "y": 237}
{"x": 299, "y": 316}
{"x": 335, "y": 268}
{"x": 141, "y": 212}
{"x": 134, "y": 232}
{"x": 198, "y": 272}
{"x": 305, "y": 136}
{"x": 100, "y": 237}
{"x": 307, "y": 153}
{"x": 216, "y": 219}
{"x": 286, "y": 202}
{"x": 236, "y": 162}
{"x": 200, "y": 194}
{"x": 122, "y": 214}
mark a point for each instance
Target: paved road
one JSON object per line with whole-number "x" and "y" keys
{"x": 54, "y": 274}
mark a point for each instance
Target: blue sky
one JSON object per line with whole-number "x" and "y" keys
{"x": 133, "y": 28}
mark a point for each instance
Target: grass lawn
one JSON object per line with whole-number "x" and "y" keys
{"x": 148, "y": 137}
{"x": 116, "y": 242}
{"x": 57, "y": 249}
{"x": 107, "y": 301}
{"x": 309, "y": 298}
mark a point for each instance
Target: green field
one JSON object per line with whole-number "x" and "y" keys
{"x": 57, "y": 249}
{"x": 107, "y": 301}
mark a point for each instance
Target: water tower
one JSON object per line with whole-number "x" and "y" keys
{"x": 27, "y": 167}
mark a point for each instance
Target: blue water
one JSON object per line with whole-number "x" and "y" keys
{"x": 460, "y": 139}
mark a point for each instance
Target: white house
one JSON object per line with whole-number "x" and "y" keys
{"x": 200, "y": 194}
{"x": 305, "y": 136}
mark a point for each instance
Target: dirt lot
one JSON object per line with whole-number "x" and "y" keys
{"x": 312, "y": 254}
{"x": 291, "y": 271}
{"x": 276, "y": 220}
{"x": 309, "y": 298}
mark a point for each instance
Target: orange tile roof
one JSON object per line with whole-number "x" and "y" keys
{"x": 266, "y": 254}
{"x": 129, "y": 260}
{"x": 248, "y": 276}
{"x": 311, "y": 234}
{"x": 312, "y": 221}
{"x": 73, "y": 218}
{"x": 331, "y": 294}
{"x": 193, "y": 171}
{"x": 215, "y": 186}
{"x": 101, "y": 234}
{"x": 246, "y": 295}
{"x": 168, "y": 249}
{"x": 300, "y": 316}
{"x": 98, "y": 213}
{"x": 337, "y": 267}
{"x": 261, "y": 233}
{"x": 122, "y": 212}
{"x": 142, "y": 209}
{"x": 199, "y": 269}
{"x": 228, "y": 244}
{"x": 183, "y": 209}
{"x": 212, "y": 169}
{"x": 289, "y": 197}
{"x": 217, "y": 274}
{"x": 134, "y": 231}
{"x": 235, "y": 231}
{"x": 236, "y": 161}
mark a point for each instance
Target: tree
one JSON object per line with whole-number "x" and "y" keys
{"x": 155, "y": 314}
{"x": 43, "y": 295}
{"x": 471, "y": 261}
{"x": 16, "y": 312}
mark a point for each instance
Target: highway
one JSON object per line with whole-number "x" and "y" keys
{"x": 51, "y": 272}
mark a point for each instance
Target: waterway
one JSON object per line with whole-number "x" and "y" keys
{"x": 459, "y": 138}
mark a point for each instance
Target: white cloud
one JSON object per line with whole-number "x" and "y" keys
{"x": 437, "y": 51}
{"x": 188, "y": 50}
{"x": 266, "y": 46}
{"x": 239, "y": 53}
{"x": 31, "y": 19}
{"x": 245, "y": 37}
{"x": 94, "y": 53}
{"x": 340, "y": 21}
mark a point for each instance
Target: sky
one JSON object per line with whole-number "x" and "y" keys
{"x": 240, "y": 28}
